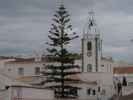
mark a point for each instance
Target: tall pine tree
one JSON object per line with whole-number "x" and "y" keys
{"x": 58, "y": 77}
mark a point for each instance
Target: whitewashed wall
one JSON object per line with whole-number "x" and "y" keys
{"x": 83, "y": 95}
{"x": 27, "y": 93}
{"x": 108, "y": 66}
{"x": 91, "y": 60}
{"x": 104, "y": 80}
{"x": 5, "y": 95}
{"x": 29, "y": 68}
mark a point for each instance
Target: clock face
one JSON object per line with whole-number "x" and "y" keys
{"x": 89, "y": 53}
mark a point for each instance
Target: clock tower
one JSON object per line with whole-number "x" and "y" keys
{"x": 91, "y": 46}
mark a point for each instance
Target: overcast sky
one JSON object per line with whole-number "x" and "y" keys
{"x": 24, "y": 24}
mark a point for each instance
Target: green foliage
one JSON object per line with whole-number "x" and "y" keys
{"x": 59, "y": 36}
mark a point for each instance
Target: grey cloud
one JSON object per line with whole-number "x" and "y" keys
{"x": 24, "y": 24}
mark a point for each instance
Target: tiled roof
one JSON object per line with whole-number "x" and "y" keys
{"x": 123, "y": 70}
{"x": 24, "y": 60}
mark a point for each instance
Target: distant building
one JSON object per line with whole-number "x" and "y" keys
{"x": 94, "y": 66}
{"x": 23, "y": 67}
{"x": 127, "y": 72}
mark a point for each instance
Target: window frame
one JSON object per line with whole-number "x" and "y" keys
{"x": 89, "y": 46}
{"x": 20, "y": 71}
{"x": 89, "y": 67}
{"x": 37, "y": 70}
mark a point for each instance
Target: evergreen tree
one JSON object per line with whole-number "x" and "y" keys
{"x": 58, "y": 76}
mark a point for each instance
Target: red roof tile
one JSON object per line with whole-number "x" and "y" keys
{"x": 123, "y": 70}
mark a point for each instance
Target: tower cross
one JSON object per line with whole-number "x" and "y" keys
{"x": 61, "y": 2}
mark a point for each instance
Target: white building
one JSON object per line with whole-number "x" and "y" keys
{"x": 92, "y": 60}
{"x": 95, "y": 67}
{"x": 23, "y": 67}
{"x": 107, "y": 64}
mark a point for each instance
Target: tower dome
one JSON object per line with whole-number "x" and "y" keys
{"x": 90, "y": 26}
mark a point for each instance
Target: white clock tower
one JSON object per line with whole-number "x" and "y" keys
{"x": 91, "y": 47}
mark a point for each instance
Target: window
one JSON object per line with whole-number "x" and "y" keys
{"x": 37, "y": 70}
{"x": 103, "y": 92}
{"x": 89, "y": 46}
{"x": 89, "y": 91}
{"x": 89, "y": 68}
{"x": 73, "y": 91}
{"x": 9, "y": 69}
{"x": 21, "y": 71}
{"x": 94, "y": 92}
{"x": 99, "y": 88}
